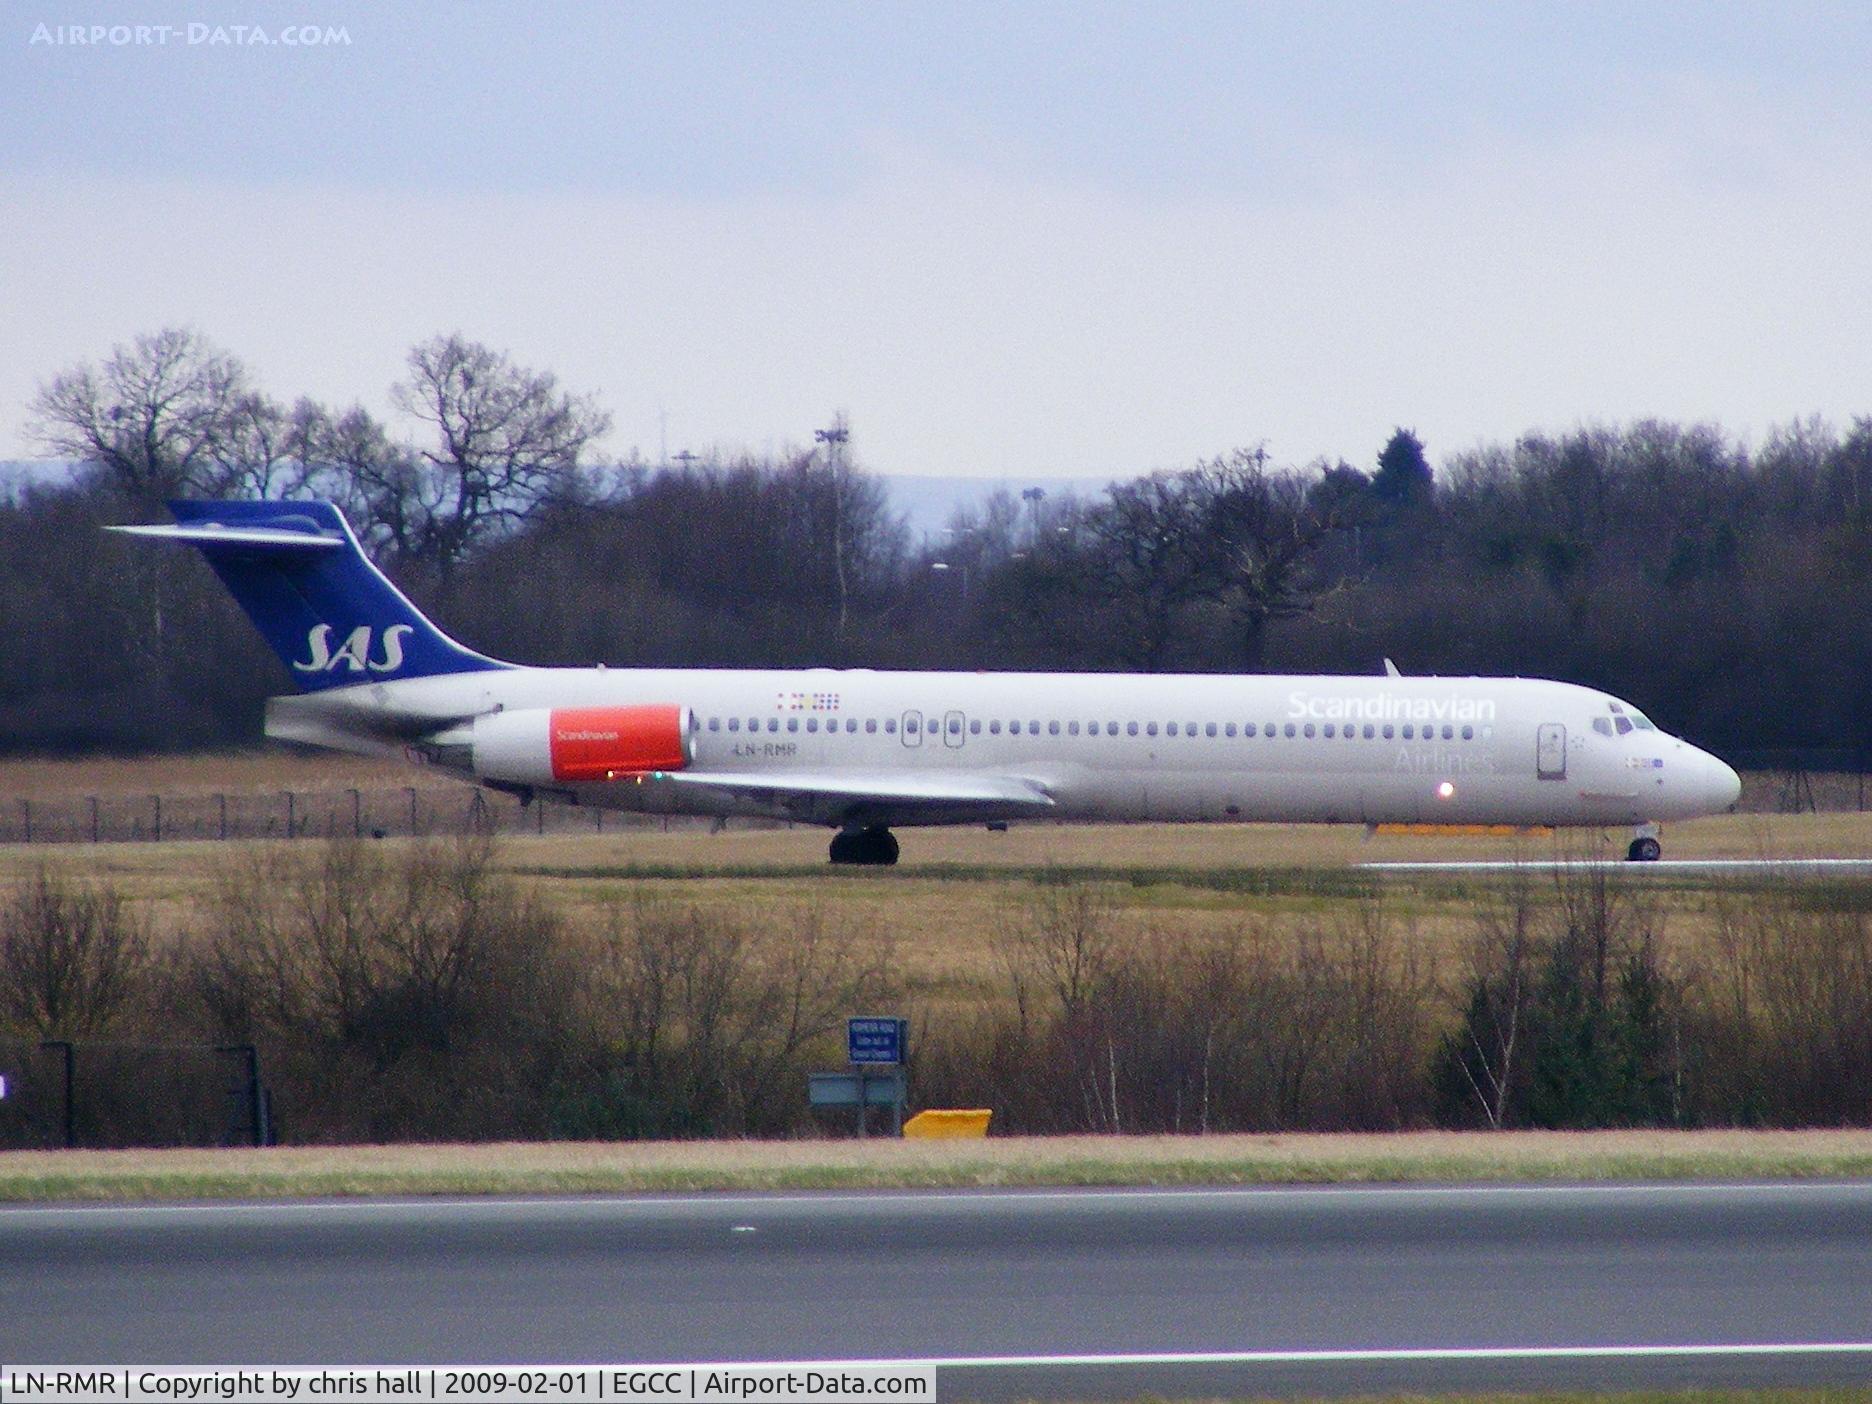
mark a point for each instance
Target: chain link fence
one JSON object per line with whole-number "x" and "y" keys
{"x": 107, "y": 1096}
{"x": 362, "y": 813}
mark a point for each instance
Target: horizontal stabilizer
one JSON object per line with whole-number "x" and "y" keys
{"x": 215, "y": 534}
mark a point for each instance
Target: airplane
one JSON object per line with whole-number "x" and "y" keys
{"x": 865, "y": 752}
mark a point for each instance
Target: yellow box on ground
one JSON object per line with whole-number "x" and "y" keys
{"x": 947, "y": 1125}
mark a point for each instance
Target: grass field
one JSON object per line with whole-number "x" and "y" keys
{"x": 938, "y": 911}
{"x": 583, "y": 1168}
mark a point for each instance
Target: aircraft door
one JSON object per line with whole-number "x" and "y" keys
{"x": 911, "y": 728}
{"x": 1550, "y": 751}
{"x": 955, "y": 730}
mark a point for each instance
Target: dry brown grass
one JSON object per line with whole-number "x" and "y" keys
{"x": 940, "y": 927}
{"x": 231, "y": 772}
{"x": 1418, "y": 1157}
{"x": 940, "y": 922}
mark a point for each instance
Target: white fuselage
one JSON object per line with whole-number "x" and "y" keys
{"x": 1371, "y": 749}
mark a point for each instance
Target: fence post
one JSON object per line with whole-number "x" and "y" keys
{"x": 156, "y": 817}
{"x": 26, "y": 817}
{"x": 412, "y": 809}
{"x": 71, "y": 1067}
{"x": 357, "y": 814}
{"x": 252, "y": 1093}
{"x": 223, "y": 807}
{"x": 290, "y": 823}
{"x": 94, "y": 819}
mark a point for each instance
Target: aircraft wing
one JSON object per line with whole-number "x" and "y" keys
{"x": 828, "y": 797}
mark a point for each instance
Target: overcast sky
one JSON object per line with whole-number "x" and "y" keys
{"x": 1008, "y": 239}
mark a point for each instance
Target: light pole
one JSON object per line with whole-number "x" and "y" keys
{"x": 1033, "y": 497}
{"x": 834, "y": 438}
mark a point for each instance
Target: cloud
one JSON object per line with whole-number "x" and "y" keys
{"x": 1693, "y": 260}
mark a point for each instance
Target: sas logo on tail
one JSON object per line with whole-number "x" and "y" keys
{"x": 353, "y": 654}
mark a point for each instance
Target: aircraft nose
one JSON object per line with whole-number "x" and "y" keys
{"x": 1719, "y": 787}
{"x": 1727, "y": 783}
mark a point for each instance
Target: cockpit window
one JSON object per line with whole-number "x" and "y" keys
{"x": 1602, "y": 725}
{"x": 1624, "y": 726}
{"x": 1642, "y": 722}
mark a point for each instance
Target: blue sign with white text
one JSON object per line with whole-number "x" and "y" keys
{"x": 876, "y": 1040}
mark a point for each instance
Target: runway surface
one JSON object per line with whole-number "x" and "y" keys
{"x": 1030, "y": 1294}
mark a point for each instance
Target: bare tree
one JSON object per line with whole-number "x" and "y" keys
{"x": 507, "y": 440}
{"x": 169, "y": 415}
{"x": 70, "y": 956}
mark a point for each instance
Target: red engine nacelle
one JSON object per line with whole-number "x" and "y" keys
{"x": 578, "y": 745}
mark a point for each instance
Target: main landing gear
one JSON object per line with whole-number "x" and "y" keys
{"x": 1644, "y": 847}
{"x": 874, "y": 846}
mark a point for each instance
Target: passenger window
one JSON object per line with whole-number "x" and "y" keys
{"x": 1468, "y": 733}
{"x": 870, "y": 726}
{"x": 1130, "y": 728}
{"x": 714, "y": 723}
{"x": 773, "y": 723}
{"x": 955, "y": 726}
{"x": 734, "y": 723}
{"x": 1150, "y": 729}
{"x": 1329, "y": 731}
{"x": 1291, "y": 731}
{"x": 1409, "y": 731}
{"x": 1229, "y": 730}
{"x": 1370, "y": 731}
{"x": 1449, "y": 732}
{"x": 1389, "y": 731}
{"x": 812, "y": 723}
{"x": 1189, "y": 729}
{"x": 890, "y": 726}
{"x": 1072, "y": 728}
{"x": 994, "y": 728}
{"x": 1171, "y": 729}
{"x": 1052, "y": 728}
{"x": 1111, "y": 729}
{"x": 792, "y": 723}
{"x": 974, "y": 728}
{"x": 913, "y": 726}
{"x": 1033, "y": 728}
{"x": 1309, "y": 731}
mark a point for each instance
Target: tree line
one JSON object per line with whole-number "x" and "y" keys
{"x": 1717, "y": 583}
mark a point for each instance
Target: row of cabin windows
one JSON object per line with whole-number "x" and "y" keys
{"x": 1409, "y": 731}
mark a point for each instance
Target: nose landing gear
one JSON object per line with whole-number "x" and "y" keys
{"x": 874, "y": 846}
{"x": 1644, "y": 847}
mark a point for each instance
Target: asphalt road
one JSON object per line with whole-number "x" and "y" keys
{"x": 1043, "y": 1293}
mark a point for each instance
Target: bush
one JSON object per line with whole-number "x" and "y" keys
{"x": 73, "y": 957}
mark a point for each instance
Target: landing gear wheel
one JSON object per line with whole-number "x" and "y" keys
{"x": 1644, "y": 850}
{"x": 875, "y": 847}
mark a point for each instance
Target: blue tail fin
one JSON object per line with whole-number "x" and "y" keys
{"x": 331, "y": 616}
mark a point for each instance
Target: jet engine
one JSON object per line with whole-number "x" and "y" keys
{"x": 580, "y": 745}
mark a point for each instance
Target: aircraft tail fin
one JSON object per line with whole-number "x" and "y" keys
{"x": 298, "y": 571}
